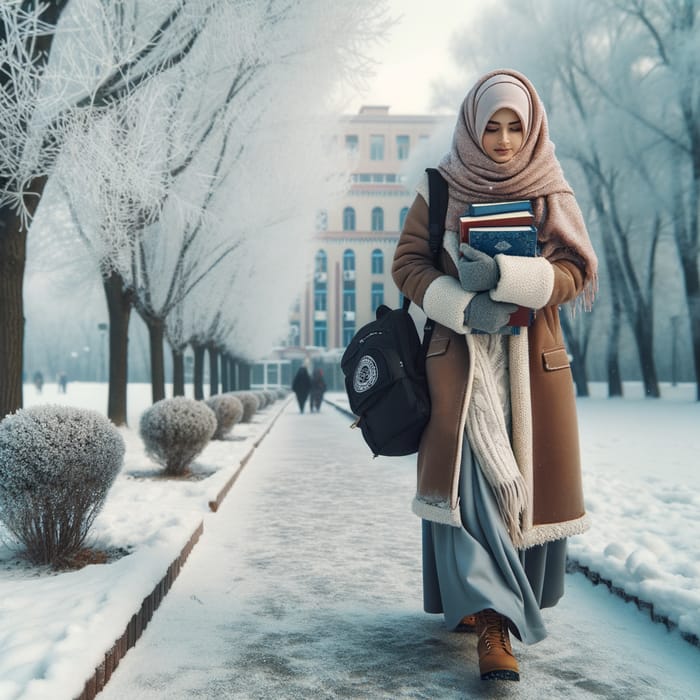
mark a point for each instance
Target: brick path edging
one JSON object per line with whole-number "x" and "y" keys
{"x": 139, "y": 621}
{"x": 573, "y": 566}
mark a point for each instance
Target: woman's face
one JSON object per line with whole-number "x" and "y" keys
{"x": 503, "y": 136}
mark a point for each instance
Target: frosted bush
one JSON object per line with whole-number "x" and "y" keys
{"x": 281, "y": 393}
{"x": 261, "y": 396}
{"x": 175, "y": 431}
{"x": 228, "y": 410}
{"x": 57, "y": 464}
{"x": 271, "y": 396}
{"x": 250, "y": 404}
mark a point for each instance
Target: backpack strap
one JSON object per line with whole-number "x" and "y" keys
{"x": 437, "y": 211}
{"x": 438, "y": 194}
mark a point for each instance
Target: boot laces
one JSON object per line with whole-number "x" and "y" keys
{"x": 495, "y": 631}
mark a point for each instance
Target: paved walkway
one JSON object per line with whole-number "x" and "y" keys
{"x": 307, "y": 584}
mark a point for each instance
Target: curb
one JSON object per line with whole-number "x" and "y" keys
{"x": 573, "y": 566}
{"x": 139, "y": 621}
{"x": 214, "y": 505}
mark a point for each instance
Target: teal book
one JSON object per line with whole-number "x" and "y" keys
{"x": 490, "y": 208}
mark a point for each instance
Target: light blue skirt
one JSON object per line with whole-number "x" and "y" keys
{"x": 475, "y": 567}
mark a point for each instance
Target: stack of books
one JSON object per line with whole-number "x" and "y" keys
{"x": 502, "y": 227}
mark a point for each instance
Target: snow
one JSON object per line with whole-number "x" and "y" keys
{"x": 641, "y": 485}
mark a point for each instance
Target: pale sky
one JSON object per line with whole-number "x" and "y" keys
{"x": 415, "y": 53}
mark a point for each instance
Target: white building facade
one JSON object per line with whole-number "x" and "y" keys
{"x": 356, "y": 238}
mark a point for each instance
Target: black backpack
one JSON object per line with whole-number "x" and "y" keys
{"x": 384, "y": 364}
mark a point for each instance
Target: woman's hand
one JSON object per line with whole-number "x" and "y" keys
{"x": 485, "y": 314}
{"x": 478, "y": 272}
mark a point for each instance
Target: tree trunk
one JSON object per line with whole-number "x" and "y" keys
{"x": 198, "y": 379}
{"x": 213, "y": 369}
{"x": 233, "y": 373}
{"x": 178, "y": 372}
{"x": 119, "y": 309}
{"x": 155, "y": 339}
{"x": 244, "y": 375}
{"x": 691, "y": 281}
{"x": 13, "y": 251}
{"x": 578, "y": 356}
{"x": 613, "y": 348}
{"x": 225, "y": 386}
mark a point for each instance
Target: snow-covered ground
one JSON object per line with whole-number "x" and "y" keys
{"x": 641, "y": 470}
{"x": 641, "y": 479}
{"x": 56, "y": 628}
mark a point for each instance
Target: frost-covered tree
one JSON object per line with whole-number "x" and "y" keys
{"x": 97, "y": 54}
{"x": 618, "y": 78}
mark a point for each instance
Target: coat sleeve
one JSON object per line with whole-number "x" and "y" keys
{"x": 440, "y": 295}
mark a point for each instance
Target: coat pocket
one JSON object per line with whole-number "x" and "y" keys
{"x": 555, "y": 359}
{"x": 438, "y": 346}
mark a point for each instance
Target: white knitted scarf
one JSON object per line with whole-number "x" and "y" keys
{"x": 488, "y": 429}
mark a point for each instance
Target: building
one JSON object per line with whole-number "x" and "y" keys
{"x": 356, "y": 238}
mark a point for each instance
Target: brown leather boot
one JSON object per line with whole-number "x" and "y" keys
{"x": 496, "y": 660}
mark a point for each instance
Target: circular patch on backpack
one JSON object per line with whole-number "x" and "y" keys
{"x": 366, "y": 374}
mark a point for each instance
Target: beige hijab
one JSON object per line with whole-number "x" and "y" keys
{"x": 533, "y": 173}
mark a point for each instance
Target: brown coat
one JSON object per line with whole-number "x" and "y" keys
{"x": 550, "y": 461}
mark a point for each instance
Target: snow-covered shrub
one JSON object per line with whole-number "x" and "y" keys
{"x": 263, "y": 401}
{"x": 175, "y": 431}
{"x": 271, "y": 396}
{"x": 250, "y": 404}
{"x": 282, "y": 393}
{"x": 228, "y": 410}
{"x": 57, "y": 464}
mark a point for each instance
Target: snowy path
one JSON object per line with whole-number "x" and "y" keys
{"x": 306, "y": 584}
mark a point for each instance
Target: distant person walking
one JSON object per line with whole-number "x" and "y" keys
{"x": 62, "y": 382}
{"x": 301, "y": 386}
{"x": 38, "y": 381}
{"x": 318, "y": 388}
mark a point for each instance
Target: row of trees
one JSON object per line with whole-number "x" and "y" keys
{"x": 176, "y": 150}
{"x": 619, "y": 80}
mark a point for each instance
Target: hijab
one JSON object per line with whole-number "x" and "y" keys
{"x": 533, "y": 173}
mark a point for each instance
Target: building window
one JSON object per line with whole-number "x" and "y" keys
{"x": 402, "y": 147}
{"x": 377, "y": 262}
{"x": 349, "y": 261}
{"x": 351, "y": 142}
{"x": 348, "y": 219}
{"x": 348, "y": 296}
{"x": 377, "y": 295}
{"x": 377, "y": 219}
{"x": 321, "y": 220}
{"x": 402, "y": 218}
{"x": 376, "y": 147}
{"x": 320, "y": 334}
{"x": 320, "y": 298}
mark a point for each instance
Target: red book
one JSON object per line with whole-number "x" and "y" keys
{"x": 515, "y": 218}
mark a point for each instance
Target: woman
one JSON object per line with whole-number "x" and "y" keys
{"x": 499, "y": 484}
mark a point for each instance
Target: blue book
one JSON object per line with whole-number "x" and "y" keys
{"x": 489, "y": 208}
{"x": 510, "y": 240}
